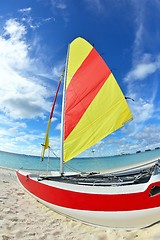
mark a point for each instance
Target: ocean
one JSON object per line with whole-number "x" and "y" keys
{"x": 18, "y": 161}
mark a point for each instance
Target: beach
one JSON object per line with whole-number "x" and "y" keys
{"x": 22, "y": 217}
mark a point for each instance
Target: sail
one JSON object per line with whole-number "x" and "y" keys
{"x": 95, "y": 105}
{"x": 46, "y": 141}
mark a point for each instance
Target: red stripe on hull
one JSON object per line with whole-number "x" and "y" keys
{"x": 90, "y": 201}
{"x": 84, "y": 86}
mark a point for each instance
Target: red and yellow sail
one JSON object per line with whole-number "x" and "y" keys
{"x": 95, "y": 105}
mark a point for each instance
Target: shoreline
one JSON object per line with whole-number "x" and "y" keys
{"x": 22, "y": 217}
{"x": 130, "y": 167}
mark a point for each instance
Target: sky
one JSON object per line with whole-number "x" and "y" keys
{"x": 34, "y": 37}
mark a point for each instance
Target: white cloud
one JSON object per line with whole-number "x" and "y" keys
{"x": 148, "y": 137}
{"x": 59, "y": 4}
{"x": 20, "y": 144}
{"x": 142, "y": 110}
{"x": 58, "y": 127}
{"x": 14, "y": 30}
{"x": 13, "y": 48}
{"x": 141, "y": 81}
{"x": 57, "y": 70}
{"x": 19, "y": 139}
{"x": 33, "y": 22}
{"x": 22, "y": 96}
{"x": 23, "y": 89}
{"x": 143, "y": 63}
{"x": 11, "y": 129}
{"x": 151, "y": 132}
{"x": 144, "y": 68}
{"x": 25, "y": 10}
{"x": 98, "y": 5}
{"x": 60, "y": 7}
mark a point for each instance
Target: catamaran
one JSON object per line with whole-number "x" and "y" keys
{"x": 93, "y": 107}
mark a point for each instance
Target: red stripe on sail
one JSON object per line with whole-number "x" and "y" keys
{"x": 83, "y": 87}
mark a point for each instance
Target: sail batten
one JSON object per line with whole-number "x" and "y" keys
{"x": 95, "y": 105}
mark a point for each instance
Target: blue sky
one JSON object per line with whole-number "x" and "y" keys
{"x": 34, "y": 36}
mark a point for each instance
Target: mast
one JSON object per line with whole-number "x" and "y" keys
{"x": 62, "y": 118}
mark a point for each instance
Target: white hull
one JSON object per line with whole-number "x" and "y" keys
{"x": 126, "y": 220}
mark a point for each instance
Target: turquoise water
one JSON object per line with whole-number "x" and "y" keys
{"x": 17, "y": 161}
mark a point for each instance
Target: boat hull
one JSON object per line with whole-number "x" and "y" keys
{"x": 117, "y": 207}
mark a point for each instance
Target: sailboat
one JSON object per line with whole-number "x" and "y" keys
{"x": 93, "y": 107}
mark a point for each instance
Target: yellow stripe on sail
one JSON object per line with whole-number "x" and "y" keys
{"x": 107, "y": 112}
{"x": 46, "y": 142}
{"x": 78, "y": 51}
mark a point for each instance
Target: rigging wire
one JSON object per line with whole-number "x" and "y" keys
{"x": 66, "y": 164}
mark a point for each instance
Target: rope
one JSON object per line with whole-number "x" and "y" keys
{"x": 66, "y": 164}
{"x": 72, "y": 168}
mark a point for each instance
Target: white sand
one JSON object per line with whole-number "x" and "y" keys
{"x": 22, "y": 217}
